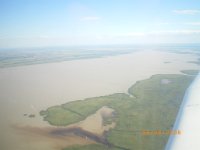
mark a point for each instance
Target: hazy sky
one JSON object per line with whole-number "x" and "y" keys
{"x": 26, "y": 23}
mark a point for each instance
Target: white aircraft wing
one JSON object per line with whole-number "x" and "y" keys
{"x": 188, "y": 121}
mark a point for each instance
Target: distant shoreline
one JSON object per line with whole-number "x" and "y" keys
{"x": 31, "y": 56}
{"x": 23, "y": 58}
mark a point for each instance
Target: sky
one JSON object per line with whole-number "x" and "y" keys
{"x": 33, "y": 23}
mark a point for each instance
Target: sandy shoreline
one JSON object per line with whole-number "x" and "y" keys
{"x": 94, "y": 122}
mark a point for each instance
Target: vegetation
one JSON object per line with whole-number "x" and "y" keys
{"x": 91, "y": 147}
{"x": 150, "y": 105}
{"x": 167, "y": 62}
{"x": 31, "y": 116}
{"x": 190, "y": 72}
{"x": 21, "y": 57}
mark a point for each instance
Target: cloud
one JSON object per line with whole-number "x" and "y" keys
{"x": 161, "y": 33}
{"x": 90, "y": 18}
{"x": 193, "y": 23}
{"x": 175, "y": 32}
{"x": 178, "y": 23}
{"x": 136, "y": 34}
{"x": 43, "y": 36}
{"x": 187, "y": 11}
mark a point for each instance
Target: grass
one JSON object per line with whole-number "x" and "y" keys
{"x": 153, "y": 106}
{"x": 91, "y": 147}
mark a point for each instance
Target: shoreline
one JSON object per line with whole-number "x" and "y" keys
{"x": 45, "y": 85}
{"x": 121, "y": 99}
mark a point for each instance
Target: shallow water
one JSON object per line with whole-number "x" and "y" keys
{"x": 29, "y": 89}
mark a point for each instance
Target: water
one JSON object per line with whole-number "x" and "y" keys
{"x": 29, "y": 89}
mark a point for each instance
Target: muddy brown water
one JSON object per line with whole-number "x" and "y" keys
{"x": 29, "y": 89}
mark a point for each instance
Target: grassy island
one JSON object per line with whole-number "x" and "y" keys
{"x": 150, "y": 104}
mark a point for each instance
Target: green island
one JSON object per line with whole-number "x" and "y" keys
{"x": 31, "y": 115}
{"x": 151, "y": 104}
{"x": 167, "y": 62}
{"x": 190, "y": 72}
